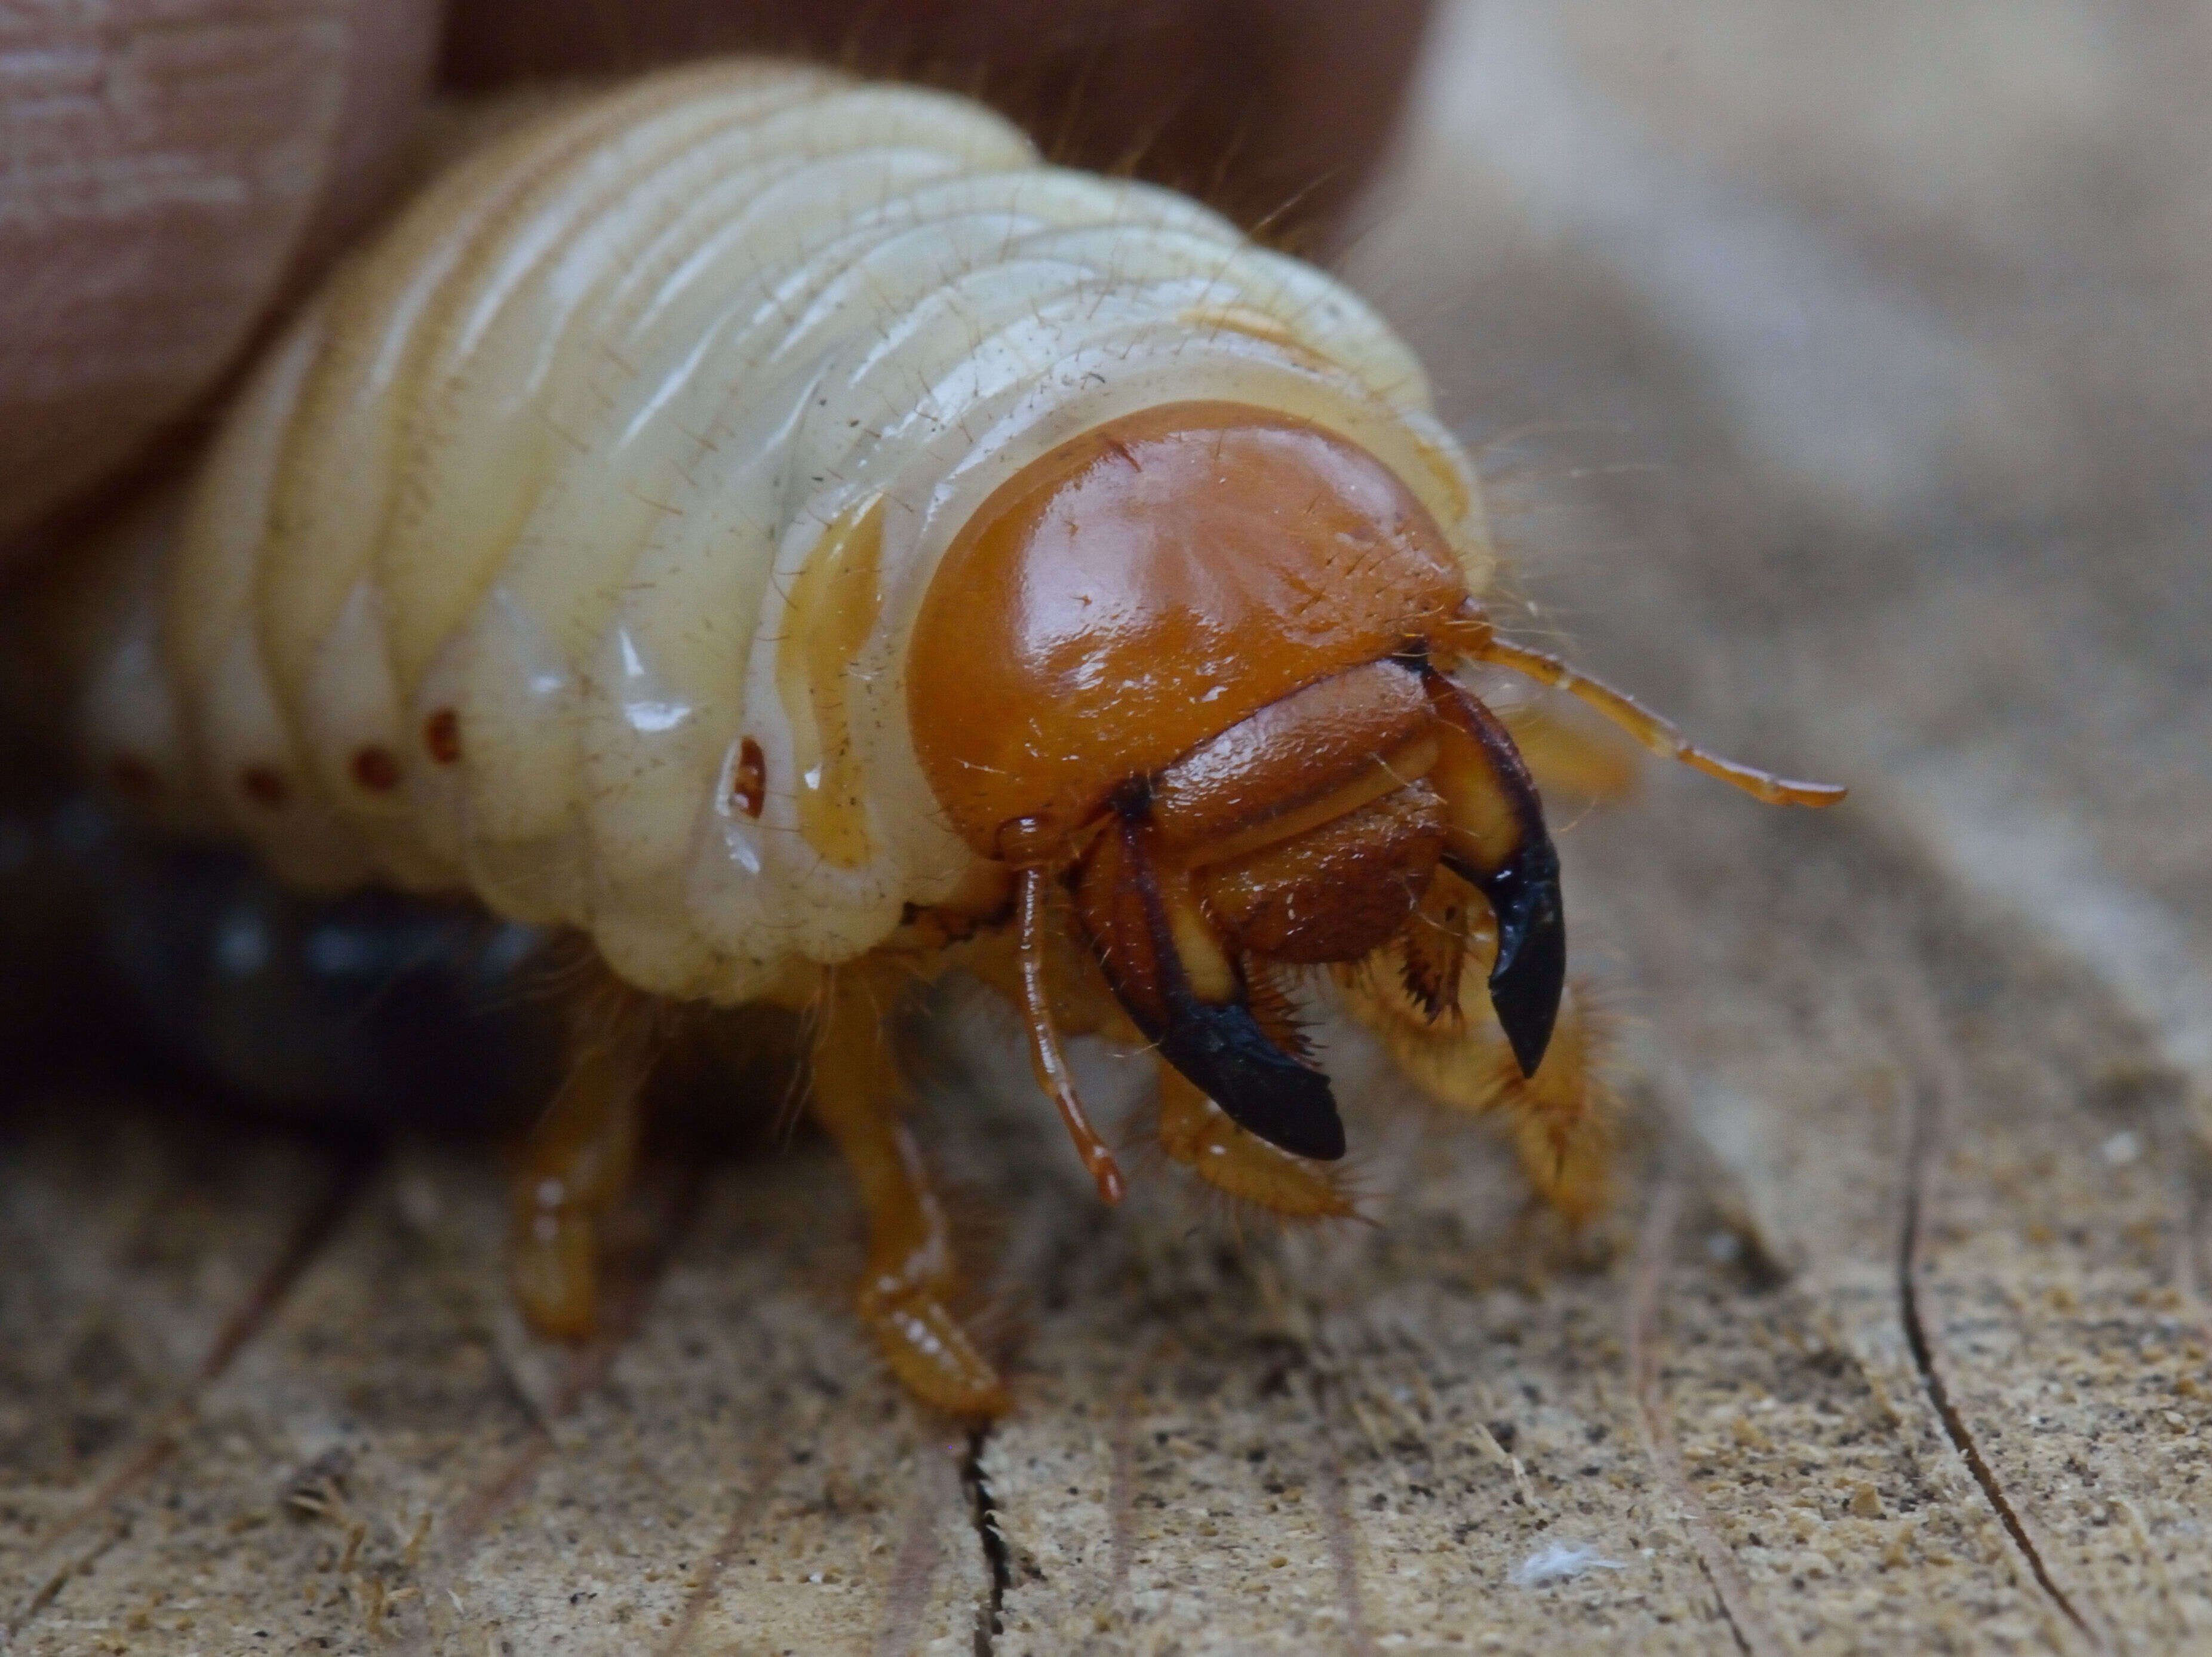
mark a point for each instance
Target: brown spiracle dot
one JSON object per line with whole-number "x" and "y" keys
{"x": 374, "y": 769}
{"x": 265, "y": 786}
{"x": 750, "y": 789}
{"x": 441, "y": 735}
{"x": 130, "y": 775}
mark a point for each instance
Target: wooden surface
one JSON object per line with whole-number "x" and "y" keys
{"x": 1846, "y": 392}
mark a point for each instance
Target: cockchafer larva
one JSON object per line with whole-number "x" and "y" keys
{"x": 776, "y": 526}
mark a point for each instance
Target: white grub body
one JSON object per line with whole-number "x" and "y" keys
{"x": 544, "y": 466}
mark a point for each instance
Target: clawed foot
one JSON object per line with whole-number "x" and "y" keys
{"x": 930, "y": 1353}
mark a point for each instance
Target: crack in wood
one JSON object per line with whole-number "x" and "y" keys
{"x": 1938, "y": 1087}
{"x": 2180, "y": 1148}
{"x": 55, "y": 1580}
{"x": 993, "y": 1540}
{"x": 1122, "y": 1488}
{"x": 907, "y": 1603}
{"x": 1122, "y": 1473}
{"x": 353, "y": 1161}
{"x": 622, "y": 1314}
{"x": 1336, "y": 1517}
{"x": 1654, "y": 1246}
{"x": 747, "y": 1509}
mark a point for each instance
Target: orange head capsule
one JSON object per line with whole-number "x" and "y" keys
{"x": 1183, "y": 662}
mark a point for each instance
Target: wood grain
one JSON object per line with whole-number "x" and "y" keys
{"x": 1844, "y": 385}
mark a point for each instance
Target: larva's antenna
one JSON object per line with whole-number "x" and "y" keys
{"x": 1046, "y": 1059}
{"x": 1472, "y": 637}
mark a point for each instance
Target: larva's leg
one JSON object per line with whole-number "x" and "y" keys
{"x": 1561, "y": 1123}
{"x": 860, "y": 1095}
{"x": 1560, "y": 1126}
{"x": 1471, "y": 635}
{"x": 1199, "y": 1134}
{"x": 1046, "y": 1059}
{"x": 577, "y": 1162}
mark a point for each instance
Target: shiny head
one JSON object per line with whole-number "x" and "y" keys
{"x": 1183, "y": 663}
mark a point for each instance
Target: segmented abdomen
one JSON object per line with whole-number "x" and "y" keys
{"x": 566, "y": 547}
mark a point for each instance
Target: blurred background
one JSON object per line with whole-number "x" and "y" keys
{"x": 1879, "y": 339}
{"x": 1843, "y": 377}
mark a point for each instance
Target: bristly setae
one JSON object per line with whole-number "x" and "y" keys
{"x": 777, "y": 527}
